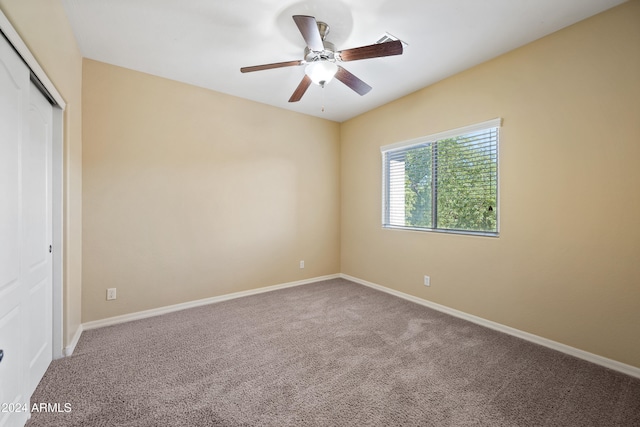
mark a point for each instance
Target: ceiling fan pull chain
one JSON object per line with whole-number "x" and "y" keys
{"x": 323, "y": 98}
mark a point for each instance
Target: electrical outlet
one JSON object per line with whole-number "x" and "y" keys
{"x": 302, "y": 264}
{"x": 111, "y": 294}
{"x": 427, "y": 281}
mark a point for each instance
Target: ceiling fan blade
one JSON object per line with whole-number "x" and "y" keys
{"x": 270, "y": 66}
{"x": 372, "y": 51}
{"x": 301, "y": 89}
{"x": 309, "y": 29}
{"x": 352, "y": 81}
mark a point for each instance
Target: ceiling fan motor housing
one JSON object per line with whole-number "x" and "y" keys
{"x": 328, "y": 54}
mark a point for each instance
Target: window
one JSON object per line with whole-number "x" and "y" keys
{"x": 444, "y": 182}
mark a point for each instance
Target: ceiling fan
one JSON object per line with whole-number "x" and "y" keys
{"x": 320, "y": 58}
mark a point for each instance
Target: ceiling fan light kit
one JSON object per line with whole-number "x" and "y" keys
{"x": 321, "y": 72}
{"x": 320, "y": 58}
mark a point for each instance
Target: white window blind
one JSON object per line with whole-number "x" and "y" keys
{"x": 444, "y": 182}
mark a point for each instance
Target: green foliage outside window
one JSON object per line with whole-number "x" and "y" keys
{"x": 460, "y": 175}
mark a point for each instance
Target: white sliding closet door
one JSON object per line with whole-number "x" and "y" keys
{"x": 36, "y": 239}
{"x": 25, "y": 236}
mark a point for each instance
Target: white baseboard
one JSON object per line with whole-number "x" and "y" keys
{"x": 183, "y": 306}
{"x": 581, "y": 354}
{"x": 68, "y": 350}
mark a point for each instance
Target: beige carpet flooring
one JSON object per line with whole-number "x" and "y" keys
{"x": 332, "y": 353}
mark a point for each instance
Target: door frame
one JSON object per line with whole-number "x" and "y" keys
{"x": 48, "y": 89}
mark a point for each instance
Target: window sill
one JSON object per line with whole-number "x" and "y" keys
{"x": 443, "y": 231}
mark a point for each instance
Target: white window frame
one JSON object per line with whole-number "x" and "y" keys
{"x": 429, "y": 139}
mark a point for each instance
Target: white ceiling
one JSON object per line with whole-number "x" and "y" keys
{"x": 205, "y": 42}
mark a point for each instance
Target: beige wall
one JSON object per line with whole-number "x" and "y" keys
{"x": 190, "y": 193}
{"x": 43, "y": 26}
{"x": 567, "y": 263}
